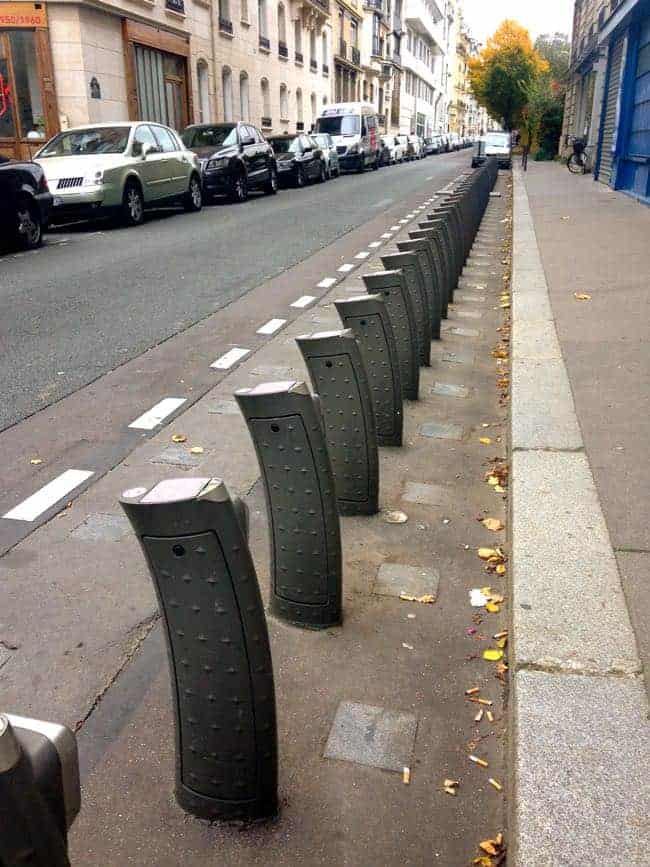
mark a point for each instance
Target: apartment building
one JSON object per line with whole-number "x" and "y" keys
{"x": 346, "y": 35}
{"x": 422, "y": 91}
{"x": 608, "y": 95}
{"x": 175, "y": 61}
{"x": 466, "y": 117}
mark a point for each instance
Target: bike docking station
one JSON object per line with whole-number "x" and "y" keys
{"x": 318, "y": 456}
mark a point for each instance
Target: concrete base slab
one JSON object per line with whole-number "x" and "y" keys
{"x": 447, "y": 389}
{"x": 370, "y": 735}
{"x": 463, "y": 332}
{"x": 582, "y": 793}
{"x": 107, "y": 528}
{"x": 459, "y": 357}
{"x": 469, "y": 314}
{"x": 394, "y": 579}
{"x": 436, "y": 430}
{"x": 224, "y": 407}
{"x": 426, "y": 495}
{"x": 176, "y": 456}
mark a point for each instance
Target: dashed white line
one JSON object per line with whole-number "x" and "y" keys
{"x": 345, "y": 268}
{"x": 326, "y": 283}
{"x": 430, "y": 178}
{"x": 403, "y": 221}
{"x": 34, "y": 506}
{"x": 387, "y": 235}
{"x": 374, "y": 244}
{"x": 304, "y": 301}
{"x": 362, "y": 255}
{"x": 394, "y": 228}
{"x": 231, "y": 357}
{"x": 158, "y": 413}
{"x": 272, "y": 325}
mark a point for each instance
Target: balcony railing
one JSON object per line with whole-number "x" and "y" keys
{"x": 176, "y": 6}
{"x": 265, "y": 43}
{"x": 267, "y": 123}
{"x": 343, "y": 49}
{"x": 375, "y": 5}
{"x": 322, "y": 4}
{"x": 283, "y": 49}
{"x": 313, "y": 65}
{"x": 299, "y": 57}
{"x": 300, "y": 125}
{"x": 356, "y": 56}
{"x": 225, "y": 25}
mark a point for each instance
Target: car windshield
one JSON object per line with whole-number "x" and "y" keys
{"x": 347, "y": 124}
{"x": 285, "y": 145}
{"x": 209, "y": 136}
{"x": 83, "y": 142}
{"x": 498, "y": 139}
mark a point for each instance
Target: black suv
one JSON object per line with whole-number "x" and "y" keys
{"x": 235, "y": 158}
{"x": 25, "y": 203}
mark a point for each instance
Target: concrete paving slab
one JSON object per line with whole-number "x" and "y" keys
{"x": 531, "y": 304}
{"x": 442, "y": 431}
{"x": 463, "y": 332}
{"x": 535, "y": 339}
{"x": 176, "y": 456}
{"x": 426, "y": 495}
{"x": 448, "y": 389}
{"x": 545, "y": 415}
{"x": 555, "y": 508}
{"x": 571, "y": 616}
{"x": 581, "y": 794}
{"x": 459, "y": 357}
{"x": 468, "y": 314}
{"x": 223, "y": 407}
{"x": 102, "y": 528}
{"x": 394, "y": 579}
{"x": 469, "y": 299}
{"x": 370, "y": 735}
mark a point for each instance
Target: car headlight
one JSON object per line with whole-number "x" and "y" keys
{"x": 94, "y": 180}
{"x": 214, "y": 165}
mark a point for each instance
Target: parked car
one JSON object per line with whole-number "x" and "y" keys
{"x": 454, "y": 141}
{"x": 414, "y": 147}
{"x": 326, "y": 143}
{"x": 119, "y": 169}
{"x": 299, "y": 159}
{"x": 494, "y": 144}
{"x": 387, "y": 149}
{"x": 25, "y": 203}
{"x": 445, "y": 143}
{"x": 402, "y": 144}
{"x": 235, "y": 158}
{"x": 354, "y": 128}
{"x": 430, "y": 146}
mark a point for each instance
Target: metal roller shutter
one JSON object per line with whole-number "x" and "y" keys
{"x": 611, "y": 102}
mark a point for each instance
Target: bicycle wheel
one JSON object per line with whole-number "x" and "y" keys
{"x": 575, "y": 164}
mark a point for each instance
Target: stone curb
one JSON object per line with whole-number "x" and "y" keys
{"x": 579, "y": 714}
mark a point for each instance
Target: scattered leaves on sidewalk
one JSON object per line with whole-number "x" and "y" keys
{"x": 197, "y": 450}
{"x": 478, "y": 761}
{"x": 35, "y": 462}
{"x": 179, "y": 438}
{"x": 407, "y": 646}
{"x": 495, "y": 784}
{"x": 492, "y": 654}
{"x": 582, "y": 296}
{"x": 406, "y": 776}
{"x": 485, "y": 441}
{"x": 565, "y": 219}
{"x": 393, "y": 517}
{"x": 451, "y": 786}
{"x": 427, "y": 599}
{"x": 493, "y": 524}
{"x": 477, "y": 599}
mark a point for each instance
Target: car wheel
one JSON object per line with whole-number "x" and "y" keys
{"x": 300, "y": 177}
{"x": 271, "y": 187}
{"x": 322, "y": 177}
{"x": 239, "y": 188}
{"x": 132, "y": 204}
{"x": 29, "y": 231}
{"x": 193, "y": 199}
{"x": 361, "y": 164}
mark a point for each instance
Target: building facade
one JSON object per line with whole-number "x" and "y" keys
{"x": 422, "y": 79}
{"x": 346, "y": 36}
{"x": 608, "y": 96}
{"x": 64, "y": 64}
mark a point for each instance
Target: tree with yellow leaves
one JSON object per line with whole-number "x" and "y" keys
{"x": 505, "y": 71}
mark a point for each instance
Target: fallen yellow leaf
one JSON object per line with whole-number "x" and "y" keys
{"x": 36, "y": 461}
{"x": 485, "y": 441}
{"x": 486, "y": 553}
{"x": 493, "y": 481}
{"x": 493, "y": 608}
{"x": 501, "y": 569}
{"x": 179, "y": 438}
{"x": 502, "y": 642}
{"x": 498, "y": 489}
{"x": 582, "y": 296}
{"x": 197, "y": 450}
{"x": 492, "y": 654}
{"x": 488, "y": 846}
{"x": 493, "y": 524}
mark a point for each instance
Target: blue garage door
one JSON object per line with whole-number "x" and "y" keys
{"x": 634, "y": 174}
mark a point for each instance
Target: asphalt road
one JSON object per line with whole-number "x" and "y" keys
{"x": 95, "y": 297}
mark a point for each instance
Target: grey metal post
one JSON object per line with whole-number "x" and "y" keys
{"x": 338, "y": 375}
{"x": 451, "y": 250}
{"x": 421, "y": 247}
{"x": 443, "y": 264}
{"x": 286, "y": 426}
{"x": 195, "y": 540}
{"x": 367, "y": 317}
{"x": 392, "y": 286}
{"x": 409, "y": 265}
{"x": 39, "y": 791}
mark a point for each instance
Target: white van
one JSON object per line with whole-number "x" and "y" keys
{"x": 354, "y": 128}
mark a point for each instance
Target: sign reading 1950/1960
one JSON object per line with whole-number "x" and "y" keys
{"x": 23, "y": 15}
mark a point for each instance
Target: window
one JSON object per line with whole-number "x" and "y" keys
{"x": 284, "y": 102}
{"x": 354, "y": 34}
{"x": 224, "y": 11}
{"x": 165, "y": 140}
{"x": 365, "y": 90}
{"x": 312, "y": 46}
{"x": 210, "y": 136}
{"x": 226, "y": 87}
{"x": 282, "y": 24}
{"x": 142, "y": 136}
{"x": 244, "y": 103}
{"x": 324, "y": 48}
{"x": 204, "y": 94}
{"x": 262, "y": 19}
{"x": 162, "y": 86}
{"x": 314, "y": 109}
{"x": 299, "y": 118}
{"x": 297, "y": 36}
{"x": 266, "y": 98}
{"x": 27, "y": 98}
{"x": 94, "y": 140}
{"x": 244, "y": 12}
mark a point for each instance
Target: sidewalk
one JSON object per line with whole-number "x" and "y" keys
{"x": 580, "y": 481}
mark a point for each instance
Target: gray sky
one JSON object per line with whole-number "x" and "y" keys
{"x": 484, "y": 16}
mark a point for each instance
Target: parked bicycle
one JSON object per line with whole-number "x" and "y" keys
{"x": 580, "y": 161}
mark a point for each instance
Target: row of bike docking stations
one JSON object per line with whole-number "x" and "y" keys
{"x": 318, "y": 456}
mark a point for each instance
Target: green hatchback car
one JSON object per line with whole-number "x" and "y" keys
{"x": 119, "y": 169}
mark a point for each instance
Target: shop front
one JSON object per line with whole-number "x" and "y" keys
{"x": 28, "y": 109}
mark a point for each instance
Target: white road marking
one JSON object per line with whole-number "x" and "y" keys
{"x": 304, "y": 301}
{"x": 345, "y": 268}
{"x": 326, "y": 283}
{"x": 362, "y": 255}
{"x": 387, "y": 235}
{"x": 375, "y": 244}
{"x": 34, "y": 506}
{"x": 430, "y": 178}
{"x": 158, "y": 413}
{"x": 394, "y": 228}
{"x": 231, "y": 357}
{"x": 272, "y": 325}
{"x": 383, "y": 203}
{"x": 403, "y": 221}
